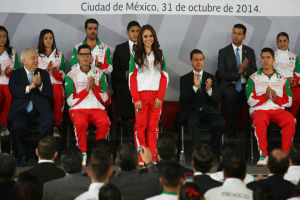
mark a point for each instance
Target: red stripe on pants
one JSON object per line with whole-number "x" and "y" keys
{"x": 147, "y": 117}
{"x": 81, "y": 119}
{"x": 296, "y": 101}
{"x": 285, "y": 120}
{"x": 59, "y": 103}
{"x": 5, "y": 102}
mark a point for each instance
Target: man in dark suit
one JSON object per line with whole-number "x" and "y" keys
{"x": 202, "y": 162}
{"x": 236, "y": 63}
{"x": 198, "y": 96}
{"x": 134, "y": 184}
{"x": 31, "y": 90}
{"x": 277, "y": 166}
{"x": 46, "y": 170}
{"x": 122, "y": 97}
{"x": 73, "y": 184}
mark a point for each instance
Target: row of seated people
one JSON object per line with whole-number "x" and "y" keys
{"x": 87, "y": 91}
{"x": 165, "y": 180}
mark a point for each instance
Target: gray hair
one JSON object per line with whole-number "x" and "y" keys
{"x": 25, "y": 52}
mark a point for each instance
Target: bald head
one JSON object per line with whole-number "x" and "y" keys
{"x": 278, "y": 162}
{"x": 29, "y": 58}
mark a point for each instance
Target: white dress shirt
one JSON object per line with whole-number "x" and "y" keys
{"x": 209, "y": 92}
{"x": 131, "y": 45}
{"x": 28, "y": 75}
{"x": 243, "y": 77}
{"x": 293, "y": 174}
{"x": 92, "y": 193}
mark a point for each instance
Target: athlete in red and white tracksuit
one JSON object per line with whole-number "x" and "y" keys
{"x": 146, "y": 85}
{"x": 288, "y": 65}
{"x": 58, "y": 61}
{"x": 264, "y": 110}
{"x": 87, "y": 107}
{"x": 5, "y": 96}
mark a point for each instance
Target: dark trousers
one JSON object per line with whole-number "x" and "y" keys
{"x": 232, "y": 100}
{"x": 216, "y": 124}
{"x": 18, "y": 125}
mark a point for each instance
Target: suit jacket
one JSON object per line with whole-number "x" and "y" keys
{"x": 7, "y": 189}
{"x": 45, "y": 172}
{"x": 17, "y": 84}
{"x": 137, "y": 184}
{"x": 191, "y": 101}
{"x": 280, "y": 188}
{"x": 66, "y": 188}
{"x": 120, "y": 81}
{"x": 227, "y": 71}
{"x": 205, "y": 183}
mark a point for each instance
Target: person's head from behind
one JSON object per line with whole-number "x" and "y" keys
{"x": 202, "y": 158}
{"x": 91, "y": 28}
{"x": 197, "y": 60}
{"x": 166, "y": 147}
{"x": 27, "y": 188}
{"x": 227, "y": 150}
{"x": 109, "y": 192}
{"x": 47, "y": 148}
{"x": 29, "y": 58}
{"x": 283, "y": 41}
{"x": 171, "y": 175}
{"x": 234, "y": 167}
{"x": 297, "y": 190}
{"x": 262, "y": 192}
{"x": 99, "y": 167}
{"x": 84, "y": 56}
{"x": 133, "y": 29}
{"x": 105, "y": 146}
{"x": 127, "y": 157}
{"x": 8, "y": 167}
{"x": 71, "y": 160}
{"x": 189, "y": 191}
{"x": 238, "y": 34}
{"x": 278, "y": 162}
{"x": 267, "y": 58}
{"x": 294, "y": 155}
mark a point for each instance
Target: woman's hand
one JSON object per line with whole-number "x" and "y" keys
{"x": 157, "y": 103}
{"x": 138, "y": 105}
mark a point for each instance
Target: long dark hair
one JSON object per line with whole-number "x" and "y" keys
{"x": 6, "y": 46}
{"x": 41, "y": 45}
{"x": 140, "y": 52}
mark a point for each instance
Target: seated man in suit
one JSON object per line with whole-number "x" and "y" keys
{"x": 73, "y": 184}
{"x": 236, "y": 63}
{"x": 268, "y": 94}
{"x": 198, "y": 95}
{"x": 8, "y": 173}
{"x": 134, "y": 184}
{"x": 87, "y": 95}
{"x": 46, "y": 170}
{"x": 277, "y": 166}
{"x": 31, "y": 91}
{"x": 123, "y": 100}
{"x": 202, "y": 162}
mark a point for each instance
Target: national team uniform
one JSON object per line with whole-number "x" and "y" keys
{"x": 58, "y": 61}
{"x": 87, "y": 107}
{"x": 146, "y": 84}
{"x": 101, "y": 51}
{"x": 288, "y": 65}
{"x": 5, "y": 96}
{"x": 263, "y": 110}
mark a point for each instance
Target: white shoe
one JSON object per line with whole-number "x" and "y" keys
{"x": 263, "y": 160}
{"x": 4, "y": 131}
{"x": 84, "y": 158}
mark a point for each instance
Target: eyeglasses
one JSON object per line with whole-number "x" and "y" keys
{"x": 84, "y": 54}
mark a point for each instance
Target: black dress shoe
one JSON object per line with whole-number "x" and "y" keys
{"x": 22, "y": 161}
